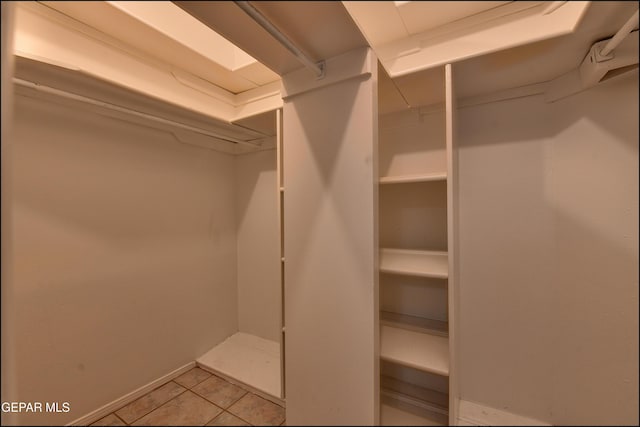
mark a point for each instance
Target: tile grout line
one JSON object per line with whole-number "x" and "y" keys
{"x": 116, "y": 415}
{"x": 216, "y": 404}
{"x": 147, "y": 413}
{"x": 240, "y": 418}
{"x": 267, "y": 400}
{"x": 246, "y": 392}
{"x": 214, "y": 417}
{"x": 162, "y": 385}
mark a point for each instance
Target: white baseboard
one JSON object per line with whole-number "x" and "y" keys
{"x": 130, "y": 397}
{"x": 474, "y": 414}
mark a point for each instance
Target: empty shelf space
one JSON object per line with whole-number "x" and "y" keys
{"x": 425, "y": 352}
{"x": 395, "y": 411}
{"x": 414, "y": 323}
{"x": 408, "y": 262}
{"x": 249, "y": 359}
{"x": 421, "y": 177}
{"x": 430, "y": 399}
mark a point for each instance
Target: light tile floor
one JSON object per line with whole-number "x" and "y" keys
{"x": 197, "y": 398}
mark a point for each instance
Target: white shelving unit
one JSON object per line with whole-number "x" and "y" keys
{"x": 414, "y": 263}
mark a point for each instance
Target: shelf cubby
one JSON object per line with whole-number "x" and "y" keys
{"x": 414, "y": 323}
{"x": 424, "y": 352}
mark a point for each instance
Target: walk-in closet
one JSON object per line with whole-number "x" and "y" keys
{"x": 320, "y": 213}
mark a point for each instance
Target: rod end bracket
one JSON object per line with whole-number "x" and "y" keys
{"x": 322, "y": 65}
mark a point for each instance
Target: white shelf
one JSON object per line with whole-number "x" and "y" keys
{"x": 425, "y": 352}
{"x": 414, "y": 263}
{"x": 424, "y": 177}
{"x": 249, "y": 359}
{"x": 414, "y": 323}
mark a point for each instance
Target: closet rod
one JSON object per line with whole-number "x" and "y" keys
{"x": 69, "y": 95}
{"x": 623, "y": 32}
{"x": 316, "y": 67}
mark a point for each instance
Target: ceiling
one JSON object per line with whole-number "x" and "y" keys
{"x": 321, "y": 29}
{"x": 223, "y": 40}
{"x": 532, "y": 63}
{"x": 387, "y": 21}
{"x": 158, "y": 29}
{"x": 325, "y": 29}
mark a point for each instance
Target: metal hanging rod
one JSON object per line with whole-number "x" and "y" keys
{"x": 114, "y": 107}
{"x": 620, "y": 35}
{"x": 317, "y": 67}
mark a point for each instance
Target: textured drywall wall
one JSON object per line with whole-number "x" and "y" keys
{"x": 124, "y": 256}
{"x": 548, "y": 315}
{"x": 258, "y": 234}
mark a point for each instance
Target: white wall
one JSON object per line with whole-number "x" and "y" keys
{"x": 258, "y": 240}
{"x": 125, "y": 253}
{"x": 548, "y": 316}
{"x": 412, "y": 143}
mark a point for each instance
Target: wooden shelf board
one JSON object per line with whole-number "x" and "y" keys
{"x": 424, "y": 352}
{"x": 414, "y": 323}
{"x": 407, "y": 262}
{"x": 423, "y": 177}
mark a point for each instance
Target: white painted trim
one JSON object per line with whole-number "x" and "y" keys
{"x": 257, "y": 101}
{"x": 413, "y": 115}
{"x": 480, "y": 34}
{"x": 504, "y": 95}
{"x": 162, "y": 81}
{"x": 452, "y": 235}
{"x": 352, "y": 64}
{"x": 130, "y": 397}
{"x": 472, "y": 413}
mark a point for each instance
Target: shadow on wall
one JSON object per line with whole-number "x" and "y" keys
{"x": 549, "y": 255}
{"x": 593, "y": 192}
{"x": 424, "y": 133}
{"x": 329, "y": 134}
{"x": 255, "y": 176}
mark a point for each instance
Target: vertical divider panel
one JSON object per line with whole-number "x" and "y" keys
{"x": 280, "y": 190}
{"x": 452, "y": 230}
{"x": 8, "y": 358}
{"x": 331, "y": 274}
